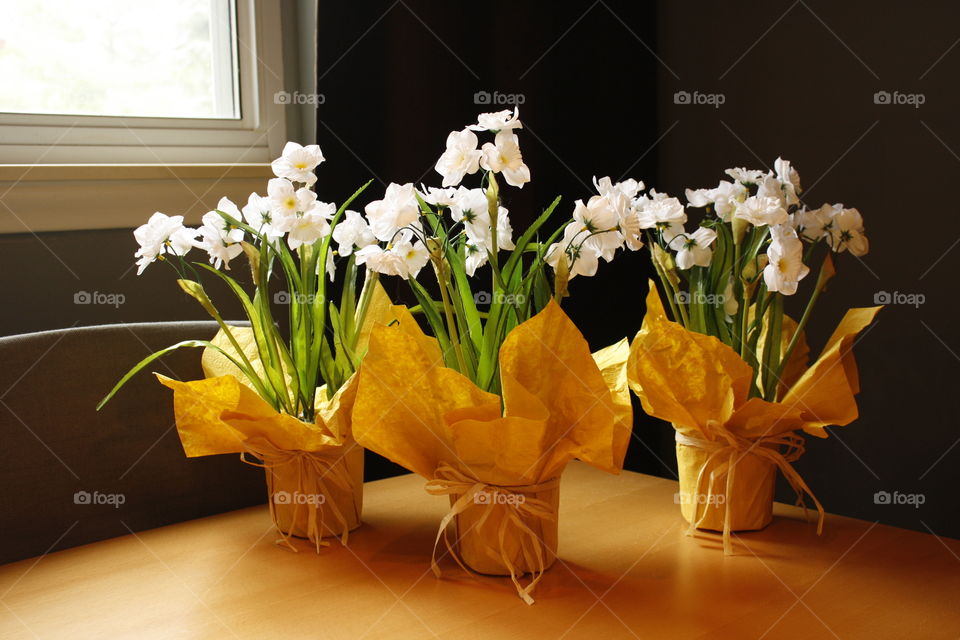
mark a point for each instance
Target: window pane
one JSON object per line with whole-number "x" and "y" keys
{"x": 156, "y": 58}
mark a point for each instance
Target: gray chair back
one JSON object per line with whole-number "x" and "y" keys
{"x": 71, "y": 475}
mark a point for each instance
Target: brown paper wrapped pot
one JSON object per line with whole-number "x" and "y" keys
{"x": 752, "y": 499}
{"x": 293, "y": 519}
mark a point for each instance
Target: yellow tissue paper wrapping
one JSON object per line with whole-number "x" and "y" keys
{"x": 314, "y": 472}
{"x": 729, "y": 446}
{"x": 498, "y": 457}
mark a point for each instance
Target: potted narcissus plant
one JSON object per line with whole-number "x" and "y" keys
{"x": 722, "y": 360}
{"x": 501, "y": 390}
{"x": 280, "y": 399}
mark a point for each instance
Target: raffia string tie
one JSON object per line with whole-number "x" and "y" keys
{"x": 451, "y": 482}
{"x": 317, "y": 474}
{"x": 729, "y": 449}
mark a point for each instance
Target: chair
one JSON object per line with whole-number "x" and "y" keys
{"x": 71, "y": 475}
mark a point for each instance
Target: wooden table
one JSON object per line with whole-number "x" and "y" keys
{"x": 627, "y": 570}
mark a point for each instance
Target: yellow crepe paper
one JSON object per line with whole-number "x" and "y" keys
{"x": 558, "y": 402}
{"x": 689, "y": 379}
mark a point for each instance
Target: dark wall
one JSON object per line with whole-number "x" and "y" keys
{"x": 799, "y": 81}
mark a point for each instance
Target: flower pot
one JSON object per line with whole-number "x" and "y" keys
{"x": 315, "y": 495}
{"x": 478, "y": 529}
{"x": 751, "y": 497}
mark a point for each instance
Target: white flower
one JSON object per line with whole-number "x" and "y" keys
{"x": 259, "y": 215}
{"x": 498, "y": 121}
{"x": 745, "y": 176}
{"x": 724, "y": 198}
{"x": 308, "y": 226}
{"x": 471, "y": 207}
{"x": 352, "y": 232}
{"x": 438, "y": 197}
{"x": 785, "y": 267}
{"x": 811, "y": 224}
{"x": 298, "y": 162}
{"x": 404, "y": 258}
{"x": 398, "y": 209}
{"x": 693, "y": 249}
{"x": 662, "y": 213}
{"x": 503, "y": 156}
{"x": 219, "y": 239}
{"x": 476, "y": 258}
{"x": 606, "y": 187}
{"x": 790, "y": 179}
{"x": 162, "y": 234}
{"x": 760, "y": 211}
{"x": 621, "y": 197}
{"x": 770, "y": 187}
{"x": 599, "y": 223}
{"x": 846, "y": 232}
{"x": 581, "y": 259}
{"x": 460, "y": 158}
{"x": 284, "y": 198}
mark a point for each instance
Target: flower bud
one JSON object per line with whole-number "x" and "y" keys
{"x": 739, "y": 229}
{"x": 665, "y": 262}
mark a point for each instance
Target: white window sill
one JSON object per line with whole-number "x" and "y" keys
{"x": 36, "y": 198}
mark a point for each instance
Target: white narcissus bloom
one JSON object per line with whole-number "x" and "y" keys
{"x": 846, "y": 231}
{"x": 582, "y": 259}
{"x": 438, "y": 197}
{"x": 745, "y": 176}
{"x": 220, "y": 240}
{"x": 258, "y": 214}
{"x": 352, "y": 232}
{"x": 785, "y": 268}
{"x": 760, "y": 211}
{"x": 724, "y": 198}
{"x": 503, "y": 156}
{"x": 310, "y": 225}
{"x": 476, "y": 258}
{"x": 662, "y": 213}
{"x": 398, "y": 209}
{"x": 283, "y": 198}
{"x": 790, "y": 179}
{"x": 470, "y": 206}
{"x": 162, "y": 234}
{"x": 298, "y": 162}
{"x": 498, "y": 121}
{"x": 811, "y": 224}
{"x": 599, "y": 223}
{"x": 770, "y": 187}
{"x": 460, "y": 158}
{"x": 621, "y": 196}
{"x": 693, "y": 249}
{"x": 404, "y": 258}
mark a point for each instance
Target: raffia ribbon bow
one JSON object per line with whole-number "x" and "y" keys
{"x": 314, "y": 471}
{"x": 733, "y": 448}
{"x": 449, "y": 481}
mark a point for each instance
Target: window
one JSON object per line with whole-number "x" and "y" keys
{"x": 145, "y": 82}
